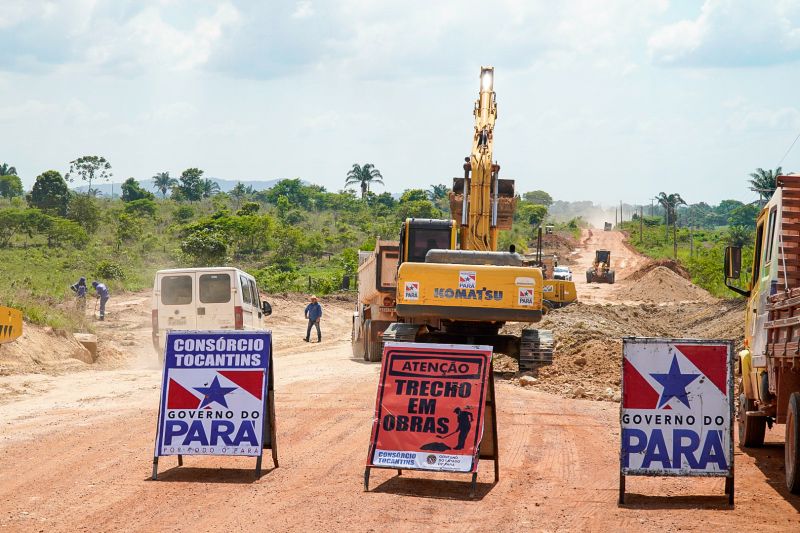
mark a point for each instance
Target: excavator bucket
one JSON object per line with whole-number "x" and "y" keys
{"x": 506, "y": 202}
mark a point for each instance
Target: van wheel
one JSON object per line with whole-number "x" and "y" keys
{"x": 357, "y": 342}
{"x": 792, "y": 444}
{"x": 751, "y": 428}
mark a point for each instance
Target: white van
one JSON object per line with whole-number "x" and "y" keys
{"x": 205, "y": 299}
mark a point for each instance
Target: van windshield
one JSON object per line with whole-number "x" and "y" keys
{"x": 176, "y": 290}
{"x": 215, "y": 288}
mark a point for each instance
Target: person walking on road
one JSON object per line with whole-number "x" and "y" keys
{"x": 313, "y": 314}
{"x": 80, "y": 289}
{"x": 101, "y": 292}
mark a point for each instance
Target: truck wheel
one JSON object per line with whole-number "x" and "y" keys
{"x": 611, "y": 277}
{"x": 365, "y": 331}
{"x": 588, "y": 278}
{"x": 792, "y": 444}
{"x": 374, "y": 345}
{"x": 357, "y": 343}
{"x": 751, "y": 428}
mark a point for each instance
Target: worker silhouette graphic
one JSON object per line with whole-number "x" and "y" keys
{"x": 464, "y": 425}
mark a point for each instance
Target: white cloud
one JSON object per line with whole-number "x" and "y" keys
{"x": 303, "y": 9}
{"x": 731, "y": 33}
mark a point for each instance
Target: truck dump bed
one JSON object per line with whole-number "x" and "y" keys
{"x": 783, "y": 325}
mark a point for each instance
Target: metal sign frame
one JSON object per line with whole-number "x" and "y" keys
{"x": 268, "y": 428}
{"x": 729, "y": 474}
{"x": 487, "y": 448}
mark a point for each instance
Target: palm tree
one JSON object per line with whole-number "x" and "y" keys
{"x": 162, "y": 182}
{"x": 6, "y": 170}
{"x": 238, "y": 193}
{"x": 209, "y": 188}
{"x": 363, "y": 176}
{"x": 438, "y": 192}
{"x": 764, "y": 182}
{"x": 670, "y": 202}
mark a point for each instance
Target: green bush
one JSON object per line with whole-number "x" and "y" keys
{"x": 109, "y": 270}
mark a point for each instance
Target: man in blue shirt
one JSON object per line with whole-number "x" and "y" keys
{"x": 103, "y": 294}
{"x": 313, "y": 314}
{"x": 80, "y": 293}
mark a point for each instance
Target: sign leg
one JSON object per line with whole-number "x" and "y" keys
{"x": 180, "y": 460}
{"x": 474, "y": 485}
{"x": 399, "y": 472}
{"x": 366, "y": 479}
{"x": 155, "y": 468}
{"x": 621, "y": 488}
{"x": 258, "y": 467}
{"x": 729, "y": 489}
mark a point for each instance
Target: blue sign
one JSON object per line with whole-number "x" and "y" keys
{"x": 214, "y": 393}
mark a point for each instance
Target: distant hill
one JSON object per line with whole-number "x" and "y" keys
{"x": 224, "y": 185}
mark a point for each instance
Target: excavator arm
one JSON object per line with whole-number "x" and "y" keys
{"x": 481, "y": 202}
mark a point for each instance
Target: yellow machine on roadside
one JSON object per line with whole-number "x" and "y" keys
{"x": 10, "y": 324}
{"x": 453, "y": 286}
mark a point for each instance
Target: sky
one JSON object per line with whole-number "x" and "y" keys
{"x": 603, "y": 100}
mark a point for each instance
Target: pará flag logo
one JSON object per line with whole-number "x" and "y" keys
{"x": 467, "y": 280}
{"x": 676, "y": 407}
{"x": 213, "y": 394}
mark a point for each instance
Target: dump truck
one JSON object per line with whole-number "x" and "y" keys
{"x": 601, "y": 268}
{"x": 769, "y": 364}
{"x": 453, "y": 284}
{"x": 375, "y": 305}
{"x": 10, "y": 324}
{"x": 607, "y": 226}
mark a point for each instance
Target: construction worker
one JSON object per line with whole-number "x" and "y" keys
{"x": 101, "y": 292}
{"x": 313, "y": 314}
{"x": 464, "y": 419}
{"x": 79, "y": 289}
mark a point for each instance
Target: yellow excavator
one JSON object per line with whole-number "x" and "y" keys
{"x": 10, "y": 324}
{"x": 453, "y": 285}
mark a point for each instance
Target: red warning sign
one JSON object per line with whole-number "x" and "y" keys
{"x": 429, "y": 412}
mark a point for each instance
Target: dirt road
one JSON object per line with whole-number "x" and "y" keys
{"x": 76, "y": 452}
{"x": 624, "y": 261}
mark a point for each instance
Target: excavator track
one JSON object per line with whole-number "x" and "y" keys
{"x": 535, "y": 349}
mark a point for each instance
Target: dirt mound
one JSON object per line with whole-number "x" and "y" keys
{"x": 661, "y": 284}
{"x": 588, "y": 352}
{"x": 42, "y": 348}
{"x": 665, "y": 263}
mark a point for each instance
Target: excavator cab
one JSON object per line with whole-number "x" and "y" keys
{"x": 420, "y": 235}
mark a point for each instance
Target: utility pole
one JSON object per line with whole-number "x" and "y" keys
{"x": 615, "y": 218}
{"x": 620, "y": 211}
{"x": 641, "y": 224}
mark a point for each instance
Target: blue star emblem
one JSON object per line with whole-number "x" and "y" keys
{"x": 674, "y": 384}
{"x": 214, "y": 393}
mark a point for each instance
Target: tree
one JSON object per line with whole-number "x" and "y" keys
{"x": 50, "y": 193}
{"x": 363, "y": 176}
{"x": 438, "y": 192}
{"x": 744, "y": 215}
{"x": 205, "y": 247}
{"x": 739, "y": 236}
{"x": 538, "y": 198}
{"x": 298, "y": 194}
{"x": 209, "y": 188}
{"x": 141, "y": 207}
{"x": 413, "y": 195}
{"x": 418, "y": 209}
{"x": 532, "y": 214}
{"x": 670, "y": 202}
{"x": 163, "y": 183}
{"x": 191, "y": 184}
{"x": 10, "y": 186}
{"x": 764, "y": 182}
{"x": 238, "y": 193}
{"x": 131, "y": 190}
{"x": 7, "y": 170}
{"x": 90, "y": 168}
{"x": 83, "y": 210}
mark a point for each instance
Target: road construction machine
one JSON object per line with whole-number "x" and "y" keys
{"x": 375, "y": 305}
{"x": 10, "y": 324}
{"x": 769, "y": 364}
{"x": 601, "y": 268}
{"x": 453, "y": 285}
